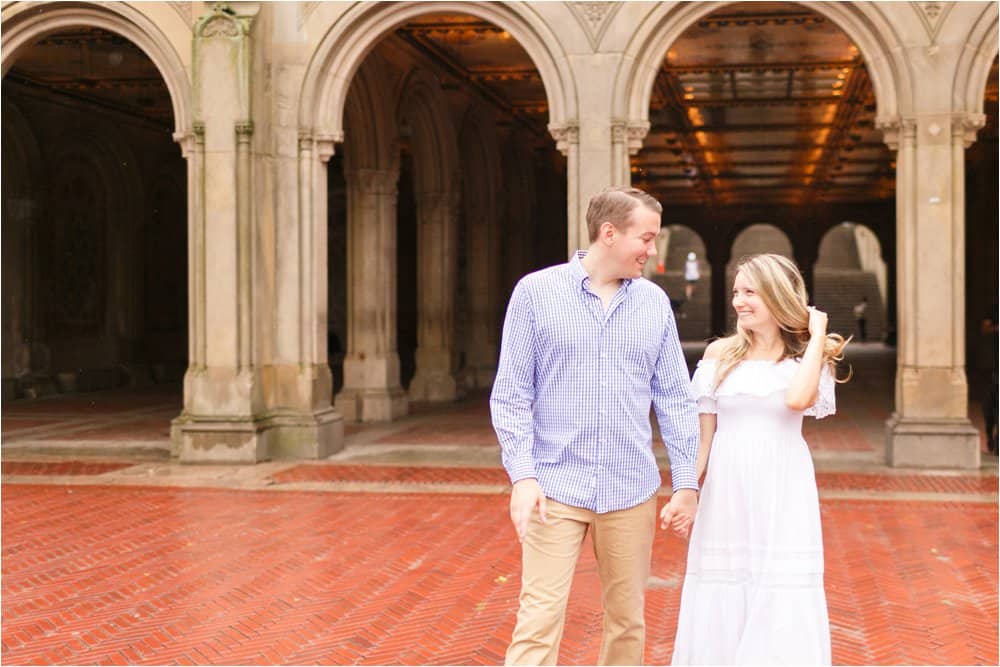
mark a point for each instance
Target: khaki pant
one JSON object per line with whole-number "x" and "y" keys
{"x": 623, "y": 545}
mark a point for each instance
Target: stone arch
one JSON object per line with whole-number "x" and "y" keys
{"x": 849, "y": 267}
{"x": 692, "y": 302}
{"x": 113, "y": 162}
{"x": 26, "y": 23}
{"x": 425, "y": 117}
{"x": 369, "y": 117}
{"x": 479, "y": 248}
{"x": 974, "y": 64}
{"x": 864, "y": 24}
{"x": 424, "y": 111}
{"x": 22, "y": 162}
{"x": 348, "y": 41}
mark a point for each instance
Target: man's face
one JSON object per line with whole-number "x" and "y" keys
{"x": 634, "y": 244}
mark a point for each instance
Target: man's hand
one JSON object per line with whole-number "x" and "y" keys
{"x": 679, "y": 512}
{"x": 525, "y": 495}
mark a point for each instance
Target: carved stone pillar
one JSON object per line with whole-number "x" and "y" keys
{"x": 372, "y": 391}
{"x": 482, "y": 281}
{"x": 930, "y": 426}
{"x": 568, "y": 143}
{"x": 221, "y": 386}
{"x": 436, "y": 219}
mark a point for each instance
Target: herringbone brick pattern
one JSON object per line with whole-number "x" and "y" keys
{"x": 117, "y": 575}
{"x": 840, "y": 481}
{"x": 61, "y": 467}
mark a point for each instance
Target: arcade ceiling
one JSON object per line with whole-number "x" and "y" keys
{"x": 763, "y": 102}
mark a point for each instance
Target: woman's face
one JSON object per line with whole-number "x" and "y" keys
{"x": 751, "y": 313}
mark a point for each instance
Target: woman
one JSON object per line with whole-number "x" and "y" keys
{"x": 753, "y": 592}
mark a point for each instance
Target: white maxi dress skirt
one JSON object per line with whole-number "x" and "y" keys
{"x": 753, "y": 591}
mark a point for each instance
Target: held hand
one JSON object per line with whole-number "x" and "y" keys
{"x": 817, "y": 323}
{"x": 679, "y": 512}
{"x": 524, "y": 496}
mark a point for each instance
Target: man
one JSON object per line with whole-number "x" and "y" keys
{"x": 587, "y": 346}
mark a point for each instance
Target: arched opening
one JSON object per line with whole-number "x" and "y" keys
{"x": 757, "y": 238}
{"x": 95, "y": 215}
{"x": 981, "y": 266}
{"x": 851, "y": 283}
{"x": 448, "y": 113}
{"x": 682, "y": 270}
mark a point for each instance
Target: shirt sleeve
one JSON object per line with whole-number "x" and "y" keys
{"x": 513, "y": 392}
{"x": 826, "y": 400}
{"x": 675, "y": 408}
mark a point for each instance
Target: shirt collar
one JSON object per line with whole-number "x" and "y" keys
{"x": 580, "y": 275}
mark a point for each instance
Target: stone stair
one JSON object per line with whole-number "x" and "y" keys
{"x": 694, "y": 319}
{"x": 836, "y": 293}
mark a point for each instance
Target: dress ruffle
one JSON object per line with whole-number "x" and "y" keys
{"x": 759, "y": 378}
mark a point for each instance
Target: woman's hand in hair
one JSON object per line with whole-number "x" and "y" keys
{"x": 817, "y": 323}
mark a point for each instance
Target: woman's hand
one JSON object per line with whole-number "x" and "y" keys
{"x": 817, "y": 323}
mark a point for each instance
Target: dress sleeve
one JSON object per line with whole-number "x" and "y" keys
{"x": 701, "y": 384}
{"x": 826, "y": 401}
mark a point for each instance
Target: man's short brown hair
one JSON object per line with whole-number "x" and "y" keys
{"x": 615, "y": 205}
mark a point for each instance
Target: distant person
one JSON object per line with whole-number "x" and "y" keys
{"x": 860, "y": 318}
{"x": 691, "y": 275}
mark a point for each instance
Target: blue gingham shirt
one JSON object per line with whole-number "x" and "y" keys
{"x": 570, "y": 402}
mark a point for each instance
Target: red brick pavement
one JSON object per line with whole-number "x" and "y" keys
{"x": 61, "y": 467}
{"x": 116, "y": 575}
{"x": 840, "y": 481}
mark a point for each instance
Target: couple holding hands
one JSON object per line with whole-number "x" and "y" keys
{"x": 587, "y": 348}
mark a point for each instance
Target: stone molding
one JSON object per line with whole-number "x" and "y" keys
{"x": 594, "y": 18}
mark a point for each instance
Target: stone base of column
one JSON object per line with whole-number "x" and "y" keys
{"x": 217, "y": 440}
{"x": 297, "y": 436}
{"x": 372, "y": 405}
{"x": 932, "y": 443}
{"x": 433, "y": 380}
{"x": 273, "y": 437}
{"x": 478, "y": 377}
{"x": 435, "y": 386}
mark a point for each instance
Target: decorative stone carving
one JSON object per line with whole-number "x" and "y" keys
{"x": 636, "y": 135}
{"x": 932, "y": 15}
{"x": 967, "y": 126}
{"x": 594, "y": 17}
{"x": 894, "y": 128}
{"x": 564, "y": 136}
{"x": 220, "y": 26}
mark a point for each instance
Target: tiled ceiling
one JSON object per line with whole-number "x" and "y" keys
{"x": 764, "y": 102}
{"x": 98, "y": 68}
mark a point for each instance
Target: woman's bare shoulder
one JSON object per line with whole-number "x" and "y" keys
{"x": 715, "y": 348}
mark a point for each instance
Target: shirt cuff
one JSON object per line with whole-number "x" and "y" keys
{"x": 521, "y": 467}
{"x": 683, "y": 477}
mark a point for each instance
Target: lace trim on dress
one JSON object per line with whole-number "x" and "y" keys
{"x": 766, "y": 378}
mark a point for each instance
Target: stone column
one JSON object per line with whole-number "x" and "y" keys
{"x": 720, "y": 290}
{"x": 930, "y": 426}
{"x": 568, "y": 143}
{"x": 221, "y": 386}
{"x": 372, "y": 391}
{"x": 482, "y": 281}
{"x": 436, "y": 218}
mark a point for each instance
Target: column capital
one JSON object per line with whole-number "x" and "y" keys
{"x": 636, "y": 134}
{"x": 966, "y": 126}
{"x": 896, "y": 127}
{"x": 565, "y": 136}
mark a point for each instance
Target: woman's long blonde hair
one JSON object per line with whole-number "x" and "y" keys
{"x": 778, "y": 282}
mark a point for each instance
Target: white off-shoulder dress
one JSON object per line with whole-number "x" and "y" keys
{"x": 753, "y": 592}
